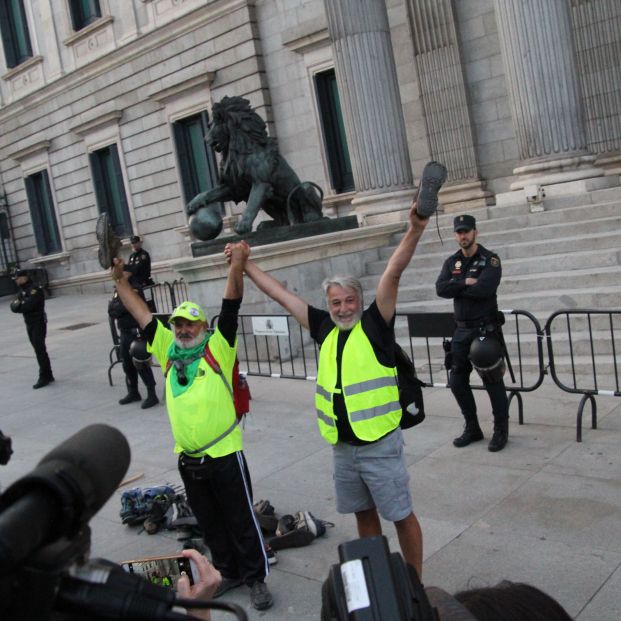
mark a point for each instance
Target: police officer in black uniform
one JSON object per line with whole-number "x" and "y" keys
{"x": 471, "y": 277}
{"x": 128, "y": 332}
{"x": 30, "y": 301}
{"x": 139, "y": 264}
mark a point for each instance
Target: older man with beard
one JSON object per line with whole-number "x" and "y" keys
{"x": 204, "y": 425}
{"x": 357, "y": 399}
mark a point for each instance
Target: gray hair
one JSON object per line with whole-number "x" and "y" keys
{"x": 347, "y": 282}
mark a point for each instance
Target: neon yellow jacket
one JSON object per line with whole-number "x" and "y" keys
{"x": 369, "y": 388}
{"x": 205, "y": 410}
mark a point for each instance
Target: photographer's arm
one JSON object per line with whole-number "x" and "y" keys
{"x": 134, "y": 304}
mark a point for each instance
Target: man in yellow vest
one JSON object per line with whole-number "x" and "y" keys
{"x": 357, "y": 399}
{"x": 204, "y": 426}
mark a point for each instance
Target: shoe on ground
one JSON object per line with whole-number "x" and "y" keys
{"x": 42, "y": 381}
{"x": 130, "y": 397}
{"x": 272, "y": 559}
{"x": 471, "y": 434}
{"x": 260, "y": 597}
{"x": 227, "y": 584}
{"x": 434, "y": 175}
{"x": 109, "y": 243}
{"x": 149, "y": 402}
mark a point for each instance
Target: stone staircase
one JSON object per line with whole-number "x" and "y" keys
{"x": 566, "y": 257}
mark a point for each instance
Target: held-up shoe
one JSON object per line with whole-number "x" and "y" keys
{"x": 434, "y": 175}
{"x": 472, "y": 433}
{"x": 226, "y": 585}
{"x": 260, "y": 597}
{"x": 109, "y": 243}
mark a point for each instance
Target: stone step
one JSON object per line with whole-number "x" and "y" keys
{"x": 509, "y": 234}
{"x": 540, "y": 303}
{"x": 548, "y": 255}
{"x": 554, "y": 288}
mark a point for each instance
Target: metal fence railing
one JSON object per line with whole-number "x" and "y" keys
{"x": 162, "y": 299}
{"x": 523, "y": 336}
{"x": 583, "y": 346}
{"x": 277, "y": 346}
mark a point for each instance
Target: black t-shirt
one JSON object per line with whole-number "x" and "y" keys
{"x": 382, "y": 338}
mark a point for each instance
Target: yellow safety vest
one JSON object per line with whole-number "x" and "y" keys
{"x": 205, "y": 410}
{"x": 369, "y": 388}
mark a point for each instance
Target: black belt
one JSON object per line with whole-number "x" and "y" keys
{"x": 475, "y": 324}
{"x": 194, "y": 460}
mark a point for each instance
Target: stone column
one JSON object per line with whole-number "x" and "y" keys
{"x": 540, "y": 65}
{"x": 371, "y": 105}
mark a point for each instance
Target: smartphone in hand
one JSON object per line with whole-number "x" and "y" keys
{"x": 162, "y": 570}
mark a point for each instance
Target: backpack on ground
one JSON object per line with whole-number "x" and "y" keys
{"x": 138, "y": 504}
{"x": 410, "y": 390}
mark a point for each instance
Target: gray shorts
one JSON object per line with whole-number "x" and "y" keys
{"x": 373, "y": 475}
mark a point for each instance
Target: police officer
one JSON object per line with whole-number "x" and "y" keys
{"x": 471, "y": 277}
{"x": 30, "y": 301}
{"x": 139, "y": 264}
{"x": 128, "y": 332}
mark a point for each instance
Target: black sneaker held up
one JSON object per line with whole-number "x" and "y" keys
{"x": 434, "y": 175}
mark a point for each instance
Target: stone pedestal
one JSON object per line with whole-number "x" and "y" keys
{"x": 301, "y": 264}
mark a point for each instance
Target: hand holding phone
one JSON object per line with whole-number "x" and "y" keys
{"x": 204, "y": 587}
{"x": 164, "y": 570}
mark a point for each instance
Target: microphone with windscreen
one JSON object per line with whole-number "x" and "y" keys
{"x": 69, "y": 485}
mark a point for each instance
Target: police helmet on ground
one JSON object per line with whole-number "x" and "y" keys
{"x": 141, "y": 358}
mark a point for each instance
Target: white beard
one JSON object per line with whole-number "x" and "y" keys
{"x": 195, "y": 342}
{"x": 347, "y": 325}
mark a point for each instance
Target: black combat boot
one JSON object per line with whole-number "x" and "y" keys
{"x": 131, "y": 396}
{"x": 472, "y": 433}
{"x": 43, "y": 380}
{"x": 151, "y": 399}
{"x": 500, "y": 437}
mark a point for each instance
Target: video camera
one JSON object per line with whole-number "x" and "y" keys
{"x": 371, "y": 584}
{"x": 45, "y": 573}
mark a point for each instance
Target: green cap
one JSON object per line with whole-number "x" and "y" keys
{"x": 189, "y": 311}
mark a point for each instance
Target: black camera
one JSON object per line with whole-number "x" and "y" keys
{"x": 373, "y": 584}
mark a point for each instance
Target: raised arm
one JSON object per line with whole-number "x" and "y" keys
{"x": 387, "y": 289}
{"x": 237, "y": 255}
{"x": 278, "y": 292}
{"x": 134, "y": 304}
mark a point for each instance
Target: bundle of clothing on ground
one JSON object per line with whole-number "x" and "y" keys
{"x": 164, "y": 507}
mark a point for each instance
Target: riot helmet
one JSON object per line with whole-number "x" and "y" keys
{"x": 141, "y": 358}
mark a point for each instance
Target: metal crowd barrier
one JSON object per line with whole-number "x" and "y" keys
{"x": 277, "y": 346}
{"x": 162, "y": 298}
{"x": 600, "y": 356}
{"x": 523, "y": 336}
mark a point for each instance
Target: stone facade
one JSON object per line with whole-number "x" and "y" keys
{"x": 447, "y": 82}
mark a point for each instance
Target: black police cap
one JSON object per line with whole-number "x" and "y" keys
{"x": 19, "y": 273}
{"x": 134, "y": 239}
{"x": 464, "y": 223}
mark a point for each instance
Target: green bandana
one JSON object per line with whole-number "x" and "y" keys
{"x": 188, "y": 361}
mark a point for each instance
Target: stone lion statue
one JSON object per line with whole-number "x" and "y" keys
{"x": 251, "y": 170}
